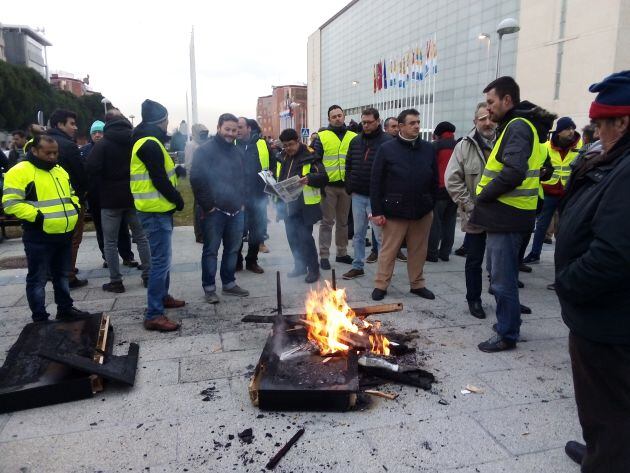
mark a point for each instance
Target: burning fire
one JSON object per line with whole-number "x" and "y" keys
{"x": 330, "y": 324}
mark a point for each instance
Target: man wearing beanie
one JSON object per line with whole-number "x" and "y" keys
{"x": 562, "y": 149}
{"x": 442, "y": 233}
{"x": 593, "y": 283}
{"x": 153, "y": 186}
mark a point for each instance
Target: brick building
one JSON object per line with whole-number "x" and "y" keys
{"x": 66, "y": 81}
{"x": 286, "y": 107}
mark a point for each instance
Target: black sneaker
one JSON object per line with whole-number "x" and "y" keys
{"x": 445, "y": 258}
{"x": 311, "y": 277}
{"x": 235, "y": 290}
{"x": 401, "y": 256}
{"x": 432, "y": 259}
{"x": 114, "y": 286}
{"x": 525, "y": 309}
{"x": 476, "y": 309}
{"x": 548, "y": 241}
{"x": 531, "y": 259}
{"x": 324, "y": 263}
{"x": 76, "y": 282}
{"x": 378, "y": 294}
{"x": 523, "y": 268}
{"x": 354, "y": 273}
{"x": 423, "y": 292}
{"x": 461, "y": 251}
{"x": 520, "y": 284}
{"x": 347, "y": 259}
{"x": 575, "y": 451}
{"x": 372, "y": 258}
{"x": 496, "y": 343}
{"x": 131, "y": 263}
{"x": 296, "y": 273}
{"x": 70, "y": 314}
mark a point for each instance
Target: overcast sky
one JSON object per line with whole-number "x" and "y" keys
{"x": 137, "y": 49}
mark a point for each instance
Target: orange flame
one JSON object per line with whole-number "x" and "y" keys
{"x": 329, "y": 321}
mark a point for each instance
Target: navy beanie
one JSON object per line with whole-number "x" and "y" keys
{"x": 564, "y": 123}
{"x": 613, "y": 98}
{"x": 444, "y": 127}
{"x": 153, "y": 112}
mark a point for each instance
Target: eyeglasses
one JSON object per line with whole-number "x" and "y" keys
{"x": 367, "y": 122}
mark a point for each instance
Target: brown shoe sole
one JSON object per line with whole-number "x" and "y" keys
{"x": 172, "y": 327}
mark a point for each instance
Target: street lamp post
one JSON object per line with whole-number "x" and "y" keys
{"x": 293, "y": 106}
{"x": 486, "y": 37}
{"x": 507, "y": 26}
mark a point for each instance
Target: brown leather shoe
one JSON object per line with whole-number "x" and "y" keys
{"x": 254, "y": 268}
{"x": 161, "y": 324}
{"x": 171, "y": 303}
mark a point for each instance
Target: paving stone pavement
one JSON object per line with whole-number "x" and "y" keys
{"x": 519, "y": 423}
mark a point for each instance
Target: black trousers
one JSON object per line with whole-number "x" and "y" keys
{"x": 302, "y": 244}
{"x": 442, "y": 233}
{"x": 124, "y": 239}
{"x": 255, "y": 225}
{"x": 601, "y": 379}
{"x": 476, "y": 247}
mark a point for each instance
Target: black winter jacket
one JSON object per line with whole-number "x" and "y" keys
{"x": 70, "y": 159}
{"x": 153, "y": 158}
{"x": 404, "y": 179}
{"x": 254, "y": 185}
{"x": 516, "y": 147}
{"x": 593, "y": 251}
{"x": 108, "y": 165}
{"x": 217, "y": 176}
{"x": 317, "y": 177}
{"x": 360, "y": 158}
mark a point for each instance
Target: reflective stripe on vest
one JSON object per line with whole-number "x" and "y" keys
{"x": 525, "y": 196}
{"x": 55, "y": 198}
{"x": 312, "y": 195}
{"x": 561, "y": 167}
{"x": 145, "y": 196}
{"x": 263, "y": 154}
{"x": 335, "y": 151}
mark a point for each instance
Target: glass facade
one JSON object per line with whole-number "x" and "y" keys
{"x": 371, "y": 31}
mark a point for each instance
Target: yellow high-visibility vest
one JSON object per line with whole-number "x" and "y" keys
{"x": 146, "y": 197}
{"x": 263, "y": 154}
{"x": 335, "y": 151}
{"x": 525, "y": 196}
{"x": 55, "y": 197}
{"x": 561, "y": 167}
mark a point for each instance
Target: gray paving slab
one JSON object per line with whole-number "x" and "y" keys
{"x": 517, "y": 423}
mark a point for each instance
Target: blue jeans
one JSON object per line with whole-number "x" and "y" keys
{"x": 158, "y": 228}
{"x": 360, "y": 211}
{"x": 218, "y": 227}
{"x": 301, "y": 243}
{"x": 543, "y": 220}
{"x": 255, "y": 226}
{"x": 502, "y": 251}
{"x": 46, "y": 258}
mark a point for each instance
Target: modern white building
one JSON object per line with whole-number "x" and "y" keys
{"x": 24, "y": 46}
{"x": 562, "y": 47}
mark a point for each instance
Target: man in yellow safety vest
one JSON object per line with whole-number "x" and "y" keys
{"x": 507, "y": 197}
{"x": 153, "y": 183}
{"x": 37, "y": 191}
{"x": 562, "y": 148}
{"x": 332, "y": 146}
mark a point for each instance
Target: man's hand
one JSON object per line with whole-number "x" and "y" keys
{"x": 304, "y": 180}
{"x": 379, "y": 220}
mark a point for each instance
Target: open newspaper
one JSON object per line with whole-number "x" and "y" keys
{"x": 287, "y": 190}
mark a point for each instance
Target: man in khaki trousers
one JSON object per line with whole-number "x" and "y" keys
{"x": 332, "y": 145}
{"x": 402, "y": 193}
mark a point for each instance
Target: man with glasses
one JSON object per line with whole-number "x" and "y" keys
{"x": 361, "y": 154}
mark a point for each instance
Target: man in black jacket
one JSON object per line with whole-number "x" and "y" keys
{"x": 507, "y": 197}
{"x": 218, "y": 181}
{"x": 593, "y": 282}
{"x": 402, "y": 194}
{"x": 108, "y": 168}
{"x": 300, "y": 215}
{"x": 63, "y": 130}
{"x": 256, "y": 157}
{"x": 359, "y": 162}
